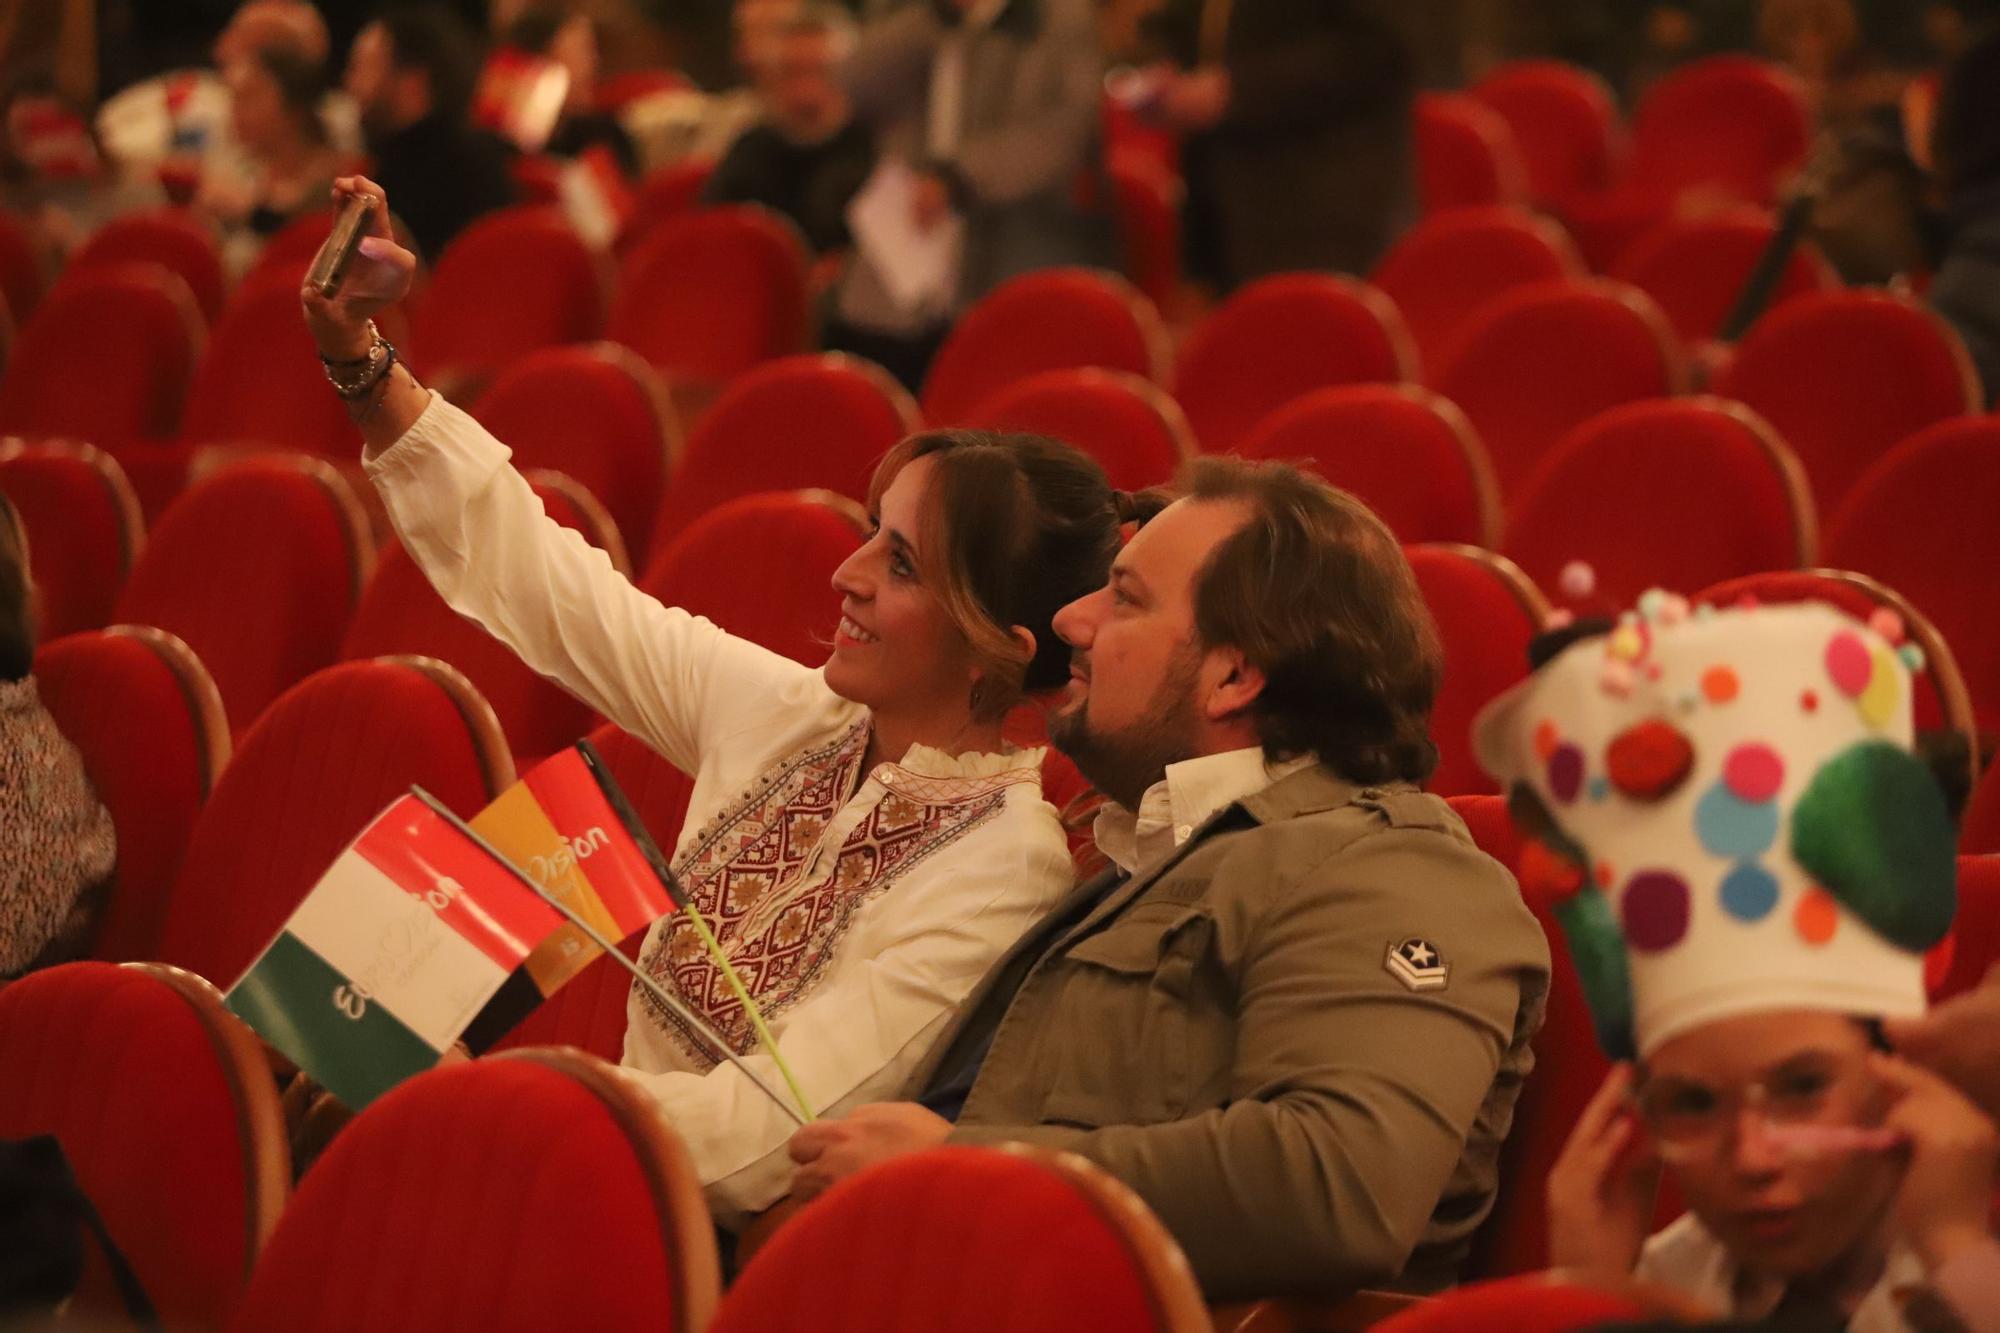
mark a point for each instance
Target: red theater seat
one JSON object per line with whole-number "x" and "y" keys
{"x": 1543, "y": 359}
{"x": 1465, "y": 154}
{"x": 1280, "y": 337}
{"x": 1923, "y": 520}
{"x": 513, "y": 282}
{"x": 84, "y": 529}
{"x": 260, "y": 381}
{"x": 321, "y": 762}
{"x": 527, "y": 1192}
{"x": 1975, "y": 930}
{"x": 1486, "y": 612}
{"x": 1129, "y": 425}
{"x": 975, "y": 1240}
{"x": 165, "y": 1107}
{"x": 1979, "y": 831}
{"x": 665, "y": 192}
{"x": 24, "y": 265}
{"x": 1455, "y": 261}
{"x": 1727, "y": 124}
{"x": 761, "y": 567}
{"x": 258, "y": 568}
{"x": 1410, "y": 454}
{"x": 1149, "y": 227}
{"x": 141, "y": 710}
{"x": 1051, "y": 319}
{"x": 170, "y": 237}
{"x": 1696, "y": 268}
{"x": 822, "y": 420}
{"x": 1535, "y": 1303}
{"x": 1565, "y": 123}
{"x": 1625, "y": 490}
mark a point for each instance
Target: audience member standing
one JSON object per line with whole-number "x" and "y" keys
{"x": 412, "y": 73}
{"x": 1298, "y": 142}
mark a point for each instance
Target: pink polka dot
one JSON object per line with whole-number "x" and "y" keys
{"x": 1753, "y": 772}
{"x": 1847, "y": 662}
{"x": 1654, "y": 910}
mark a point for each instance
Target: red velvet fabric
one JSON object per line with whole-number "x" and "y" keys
{"x": 596, "y": 414}
{"x": 1545, "y": 358}
{"x": 665, "y": 192}
{"x": 1278, "y": 338}
{"x": 106, "y": 357}
{"x": 170, "y": 237}
{"x": 1127, "y": 424}
{"x": 1625, "y": 490}
{"x": 1845, "y": 376}
{"x": 318, "y": 765}
{"x": 399, "y": 612}
{"x": 23, "y": 270}
{"x": 138, "y": 728}
{"x": 1530, "y": 1303}
{"x": 1456, "y": 261}
{"x": 1923, "y": 521}
{"x": 260, "y": 382}
{"x": 79, "y": 540}
{"x": 500, "y": 1195}
{"x": 1409, "y": 454}
{"x": 292, "y": 248}
{"x": 1149, "y": 226}
{"x": 1485, "y": 630}
{"x": 1565, "y": 123}
{"x": 513, "y": 282}
{"x": 254, "y": 568}
{"x": 1979, "y": 831}
{"x": 1976, "y": 929}
{"x": 1727, "y": 123}
{"x": 822, "y": 420}
{"x": 621, "y": 90}
{"x": 1696, "y": 268}
{"x": 1051, "y": 319}
{"x": 1465, "y": 154}
{"x": 965, "y": 1239}
{"x": 708, "y": 295}
{"x": 119, "y": 1067}
{"x": 782, "y": 599}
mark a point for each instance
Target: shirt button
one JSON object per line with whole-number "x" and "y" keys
{"x": 1182, "y": 832}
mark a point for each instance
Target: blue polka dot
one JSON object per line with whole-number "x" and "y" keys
{"x": 1735, "y": 828}
{"x": 1749, "y": 892}
{"x": 1599, "y": 787}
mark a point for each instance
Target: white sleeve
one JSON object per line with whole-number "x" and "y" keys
{"x": 859, "y": 1035}
{"x": 478, "y": 531}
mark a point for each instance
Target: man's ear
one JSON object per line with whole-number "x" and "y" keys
{"x": 1233, "y": 683}
{"x": 1024, "y": 639}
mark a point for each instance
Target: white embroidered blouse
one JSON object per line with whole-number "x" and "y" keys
{"x": 859, "y": 908}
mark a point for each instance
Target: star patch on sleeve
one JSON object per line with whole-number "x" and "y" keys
{"x": 1417, "y": 964}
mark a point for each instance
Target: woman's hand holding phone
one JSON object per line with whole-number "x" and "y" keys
{"x": 378, "y": 275}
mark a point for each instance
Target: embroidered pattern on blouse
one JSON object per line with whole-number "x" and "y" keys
{"x": 744, "y": 869}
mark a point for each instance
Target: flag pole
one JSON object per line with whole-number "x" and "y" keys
{"x": 693, "y": 1021}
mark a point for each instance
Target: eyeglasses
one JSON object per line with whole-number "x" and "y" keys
{"x": 1688, "y": 1119}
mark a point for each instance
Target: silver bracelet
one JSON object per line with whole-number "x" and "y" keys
{"x": 353, "y": 379}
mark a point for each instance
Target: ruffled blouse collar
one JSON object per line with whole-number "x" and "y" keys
{"x": 929, "y": 762}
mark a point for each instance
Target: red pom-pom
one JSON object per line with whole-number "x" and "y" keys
{"x": 1649, "y": 760}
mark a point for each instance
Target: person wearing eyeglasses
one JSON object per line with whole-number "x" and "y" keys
{"x": 1749, "y": 865}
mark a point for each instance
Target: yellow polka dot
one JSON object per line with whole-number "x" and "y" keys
{"x": 1626, "y": 642}
{"x": 1884, "y": 691}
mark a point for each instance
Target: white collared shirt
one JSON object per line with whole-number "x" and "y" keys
{"x": 1186, "y": 796}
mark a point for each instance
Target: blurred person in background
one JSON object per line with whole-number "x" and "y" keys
{"x": 1966, "y": 289}
{"x": 275, "y": 96}
{"x": 807, "y": 156}
{"x": 572, "y": 43}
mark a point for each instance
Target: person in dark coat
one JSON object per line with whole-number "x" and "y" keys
{"x": 1966, "y": 289}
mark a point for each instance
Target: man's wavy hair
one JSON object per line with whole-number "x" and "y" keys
{"x": 1315, "y": 592}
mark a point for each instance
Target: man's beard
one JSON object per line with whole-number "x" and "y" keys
{"x": 1124, "y": 762}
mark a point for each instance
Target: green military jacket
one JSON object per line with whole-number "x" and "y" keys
{"x": 1299, "y": 1038}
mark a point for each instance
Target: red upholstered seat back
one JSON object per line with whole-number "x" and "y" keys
{"x": 822, "y": 420}
{"x": 84, "y": 529}
{"x": 967, "y": 1239}
{"x": 528, "y": 1192}
{"x": 1520, "y": 371}
{"x": 1129, "y": 425}
{"x": 1531, "y": 1303}
{"x": 170, "y": 237}
{"x": 1565, "y": 124}
{"x": 1696, "y": 268}
{"x": 596, "y": 414}
{"x": 140, "y": 708}
{"x": 1845, "y": 376}
{"x": 170, "y": 1125}
{"x": 318, "y": 765}
{"x": 1726, "y": 123}
{"x": 1465, "y": 154}
{"x": 1278, "y": 338}
{"x": 1148, "y": 204}
{"x": 23, "y": 265}
{"x": 512, "y": 282}
{"x": 1976, "y": 929}
{"x": 1486, "y": 612}
{"x": 1051, "y": 319}
{"x": 260, "y": 382}
{"x": 1455, "y": 261}
{"x": 258, "y": 568}
{"x": 784, "y": 598}
{"x": 708, "y": 295}
{"x": 1625, "y": 491}
{"x": 666, "y": 192}
{"x": 1979, "y": 830}
{"x": 1410, "y": 454}
{"x": 106, "y": 357}
{"x": 1923, "y": 520}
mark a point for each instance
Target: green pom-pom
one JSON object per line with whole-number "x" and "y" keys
{"x": 1598, "y": 948}
{"x": 1874, "y": 831}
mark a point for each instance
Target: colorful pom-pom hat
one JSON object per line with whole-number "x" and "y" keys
{"x": 1724, "y": 806}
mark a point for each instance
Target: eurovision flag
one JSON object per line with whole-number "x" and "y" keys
{"x": 403, "y": 941}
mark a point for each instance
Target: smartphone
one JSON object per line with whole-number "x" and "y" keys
{"x": 329, "y": 266}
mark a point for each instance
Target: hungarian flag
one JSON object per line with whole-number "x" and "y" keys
{"x": 401, "y": 944}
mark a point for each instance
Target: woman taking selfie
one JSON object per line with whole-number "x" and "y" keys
{"x": 859, "y": 836}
